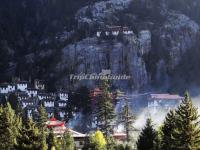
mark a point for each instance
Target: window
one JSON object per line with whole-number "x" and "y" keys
{"x": 81, "y": 143}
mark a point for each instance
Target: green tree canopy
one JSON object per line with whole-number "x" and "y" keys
{"x": 186, "y": 133}
{"x": 52, "y": 140}
{"x": 29, "y": 137}
{"x": 42, "y": 117}
{"x": 147, "y": 138}
{"x": 105, "y": 113}
{"x": 67, "y": 142}
{"x": 9, "y": 127}
{"x": 166, "y": 130}
{"x": 127, "y": 119}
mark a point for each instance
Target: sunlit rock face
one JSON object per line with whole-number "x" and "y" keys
{"x": 124, "y": 57}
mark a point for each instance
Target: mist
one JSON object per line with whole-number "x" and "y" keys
{"x": 157, "y": 118}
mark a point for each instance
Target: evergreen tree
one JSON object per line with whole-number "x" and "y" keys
{"x": 43, "y": 137}
{"x": 29, "y": 137}
{"x": 111, "y": 143}
{"x": 52, "y": 140}
{"x": 147, "y": 137}
{"x": 186, "y": 134}
{"x": 19, "y": 111}
{"x": 127, "y": 119}
{"x": 105, "y": 114}
{"x": 42, "y": 117}
{"x": 157, "y": 143}
{"x": 166, "y": 131}
{"x": 128, "y": 147}
{"x": 9, "y": 127}
{"x": 67, "y": 141}
{"x": 120, "y": 147}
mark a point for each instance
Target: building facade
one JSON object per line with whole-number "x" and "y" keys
{"x": 31, "y": 97}
{"x": 163, "y": 101}
{"x": 114, "y": 31}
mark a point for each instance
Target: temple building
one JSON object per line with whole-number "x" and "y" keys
{"x": 163, "y": 101}
{"x": 22, "y": 85}
{"x": 59, "y": 129}
{"x": 32, "y": 95}
{"x": 114, "y": 31}
{"x": 39, "y": 84}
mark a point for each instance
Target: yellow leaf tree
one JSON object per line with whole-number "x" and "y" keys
{"x": 97, "y": 140}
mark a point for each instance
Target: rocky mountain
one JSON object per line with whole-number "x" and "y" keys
{"x": 157, "y": 55}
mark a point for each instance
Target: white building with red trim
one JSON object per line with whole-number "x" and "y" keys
{"x": 163, "y": 101}
{"x": 114, "y": 31}
{"x": 59, "y": 129}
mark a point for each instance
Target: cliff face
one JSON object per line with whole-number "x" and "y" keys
{"x": 124, "y": 56}
{"x": 101, "y": 12}
{"x": 148, "y": 56}
{"x": 177, "y": 35}
{"x": 165, "y": 31}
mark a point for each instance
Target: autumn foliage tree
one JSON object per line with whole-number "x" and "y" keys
{"x": 97, "y": 141}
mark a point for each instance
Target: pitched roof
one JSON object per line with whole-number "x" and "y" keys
{"x": 76, "y": 134}
{"x": 165, "y": 96}
{"x": 53, "y": 122}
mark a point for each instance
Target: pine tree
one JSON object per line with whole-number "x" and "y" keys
{"x": 43, "y": 137}
{"x": 52, "y": 140}
{"x": 127, "y": 119}
{"x": 157, "y": 143}
{"x": 29, "y": 137}
{"x": 105, "y": 114}
{"x": 147, "y": 137}
{"x": 166, "y": 131}
{"x": 186, "y": 134}
{"x": 128, "y": 147}
{"x": 9, "y": 127}
{"x": 111, "y": 143}
{"x": 42, "y": 117}
{"x": 67, "y": 141}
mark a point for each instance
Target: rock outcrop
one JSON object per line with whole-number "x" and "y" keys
{"x": 101, "y": 11}
{"x": 91, "y": 55}
{"x": 175, "y": 35}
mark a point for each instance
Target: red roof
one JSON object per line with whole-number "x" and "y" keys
{"x": 119, "y": 136}
{"x": 52, "y": 119}
{"x": 166, "y": 96}
{"x": 53, "y": 122}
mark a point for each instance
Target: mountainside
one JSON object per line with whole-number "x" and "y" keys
{"x": 50, "y": 40}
